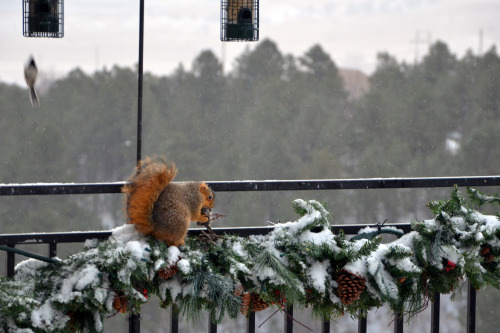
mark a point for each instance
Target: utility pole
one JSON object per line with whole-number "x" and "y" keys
{"x": 480, "y": 49}
{"x": 418, "y": 40}
{"x": 223, "y": 56}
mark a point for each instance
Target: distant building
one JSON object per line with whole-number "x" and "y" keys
{"x": 356, "y": 82}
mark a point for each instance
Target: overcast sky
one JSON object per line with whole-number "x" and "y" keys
{"x": 101, "y": 33}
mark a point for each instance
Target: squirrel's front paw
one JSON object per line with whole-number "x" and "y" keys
{"x": 206, "y": 213}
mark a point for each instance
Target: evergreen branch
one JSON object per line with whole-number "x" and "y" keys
{"x": 480, "y": 198}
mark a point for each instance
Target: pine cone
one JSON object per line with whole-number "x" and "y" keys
{"x": 120, "y": 303}
{"x": 245, "y": 303}
{"x": 487, "y": 254}
{"x": 257, "y": 304}
{"x": 168, "y": 272}
{"x": 351, "y": 286}
{"x": 245, "y": 299}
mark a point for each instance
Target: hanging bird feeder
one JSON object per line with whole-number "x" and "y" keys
{"x": 43, "y": 18}
{"x": 239, "y": 20}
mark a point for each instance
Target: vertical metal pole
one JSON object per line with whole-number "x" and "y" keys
{"x": 134, "y": 325}
{"x": 471, "y": 309}
{"x": 435, "y": 312}
{"x": 251, "y": 322}
{"x": 362, "y": 321}
{"x": 52, "y": 250}
{"x": 174, "y": 320}
{"x": 289, "y": 319}
{"x": 325, "y": 326}
{"x": 139, "y": 85}
{"x": 212, "y": 327}
{"x": 10, "y": 263}
{"x": 398, "y": 323}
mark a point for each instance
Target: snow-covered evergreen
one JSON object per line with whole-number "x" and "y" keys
{"x": 302, "y": 262}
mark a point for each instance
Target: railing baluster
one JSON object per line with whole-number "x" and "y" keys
{"x": 471, "y": 309}
{"x": 435, "y": 312}
{"x": 52, "y": 250}
{"x": 11, "y": 260}
{"x": 251, "y": 322}
{"x": 134, "y": 323}
{"x": 398, "y": 323}
{"x": 174, "y": 320}
{"x": 362, "y": 321}
{"x": 289, "y": 319}
{"x": 212, "y": 327}
{"x": 325, "y": 327}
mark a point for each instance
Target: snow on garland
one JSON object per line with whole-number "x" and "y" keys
{"x": 300, "y": 262}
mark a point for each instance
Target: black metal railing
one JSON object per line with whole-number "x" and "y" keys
{"x": 53, "y": 239}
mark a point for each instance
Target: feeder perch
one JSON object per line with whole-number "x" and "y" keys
{"x": 239, "y": 20}
{"x": 43, "y": 18}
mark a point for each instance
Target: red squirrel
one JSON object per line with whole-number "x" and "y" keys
{"x": 164, "y": 209}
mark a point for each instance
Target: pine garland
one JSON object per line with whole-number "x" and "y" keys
{"x": 300, "y": 262}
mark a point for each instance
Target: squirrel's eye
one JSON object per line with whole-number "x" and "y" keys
{"x": 210, "y": 197}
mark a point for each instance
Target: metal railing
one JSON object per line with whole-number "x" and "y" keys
{"x": 53, "y": 239}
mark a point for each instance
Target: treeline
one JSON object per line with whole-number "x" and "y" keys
{"x": 275, "y": 116}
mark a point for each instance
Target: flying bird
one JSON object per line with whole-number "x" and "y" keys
{"x": 30, "y": 74}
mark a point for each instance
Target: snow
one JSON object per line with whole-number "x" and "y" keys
{"x": 173, "y": 254}
{"x": 98, "y": 322}
{"x": 295, "y": 227}
{"x": 79, "y": 280}
{"x": 491, "y": 222}
{"x": 318, "y": 274}
{"x": 125, "y": 233}
{"x": 48, "y": 318}
{"x": 138, "y": 249}
{"x": 91, "y": 243}
{"x": 312, "y": 214}
{"x": 238, "y": 267}
{"x": 357, "y": 267}
{"x": 367, "y": 230}
{"x": 28, "y": 267}
{"x": 173, "y": 286}
{"x": 239, "y": 250}
{"x": 324, "y": 236}
{"x": 184, "y": 266}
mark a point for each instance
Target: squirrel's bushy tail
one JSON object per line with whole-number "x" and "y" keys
{"x": 143, "y": 189}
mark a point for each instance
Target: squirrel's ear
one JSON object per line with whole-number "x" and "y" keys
{"x": 207, "y": 191}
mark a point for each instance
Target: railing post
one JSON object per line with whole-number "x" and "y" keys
{"x": 174, "y": 320}
{"x": 288, "y": 319}
{"x": 134, "y": 323}
{"x": 10, "y": 262}
{"x": 52, "y": 250}
{"x": 251, "y": 322}
{"x": 325, "y": 327}
{"x": 362, "y": 321}
{"x": 139, "y": 81}
{"x": 471, "y": 309}
{"x": 435, "y": 312}
{"x": 398, "y": 323}
{"x": 212, "y": 327}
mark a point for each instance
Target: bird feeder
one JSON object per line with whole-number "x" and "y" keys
{"x": 43, "y": 18}
{"x": 239, "y": 20}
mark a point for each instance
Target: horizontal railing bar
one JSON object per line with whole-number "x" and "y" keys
{"x": 60, "y": 188}
{"x": 82, "y": 236}
{"x": 351, "y": 184}
{"x": 56, "y": 237}
{"x": 260, "y": 185}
